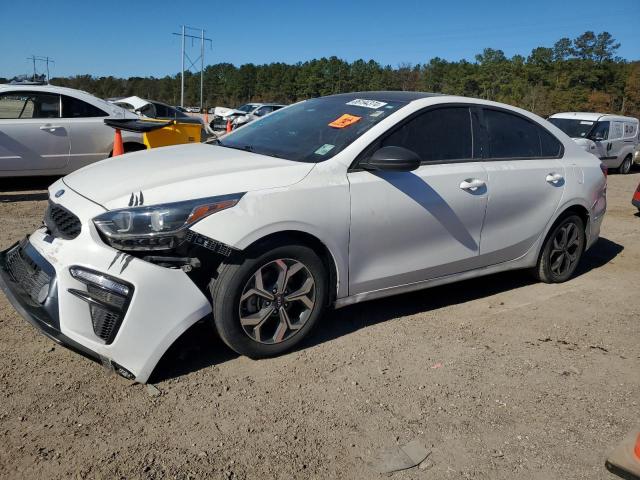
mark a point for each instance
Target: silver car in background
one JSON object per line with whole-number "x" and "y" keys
{"x": 48, "y": 130}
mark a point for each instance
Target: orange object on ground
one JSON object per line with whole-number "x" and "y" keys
{"x": 344, "y": 121}
{"x": 624, "y": 461}
{"x": 118, "y": 147}
{"x": 228, "y": 126}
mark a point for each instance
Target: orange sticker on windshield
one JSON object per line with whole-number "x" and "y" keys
{"x": 344, "y": 121}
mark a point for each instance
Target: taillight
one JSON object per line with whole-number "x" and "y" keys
{"x": 636, "y": 196}
{"x": 604, "y": 169}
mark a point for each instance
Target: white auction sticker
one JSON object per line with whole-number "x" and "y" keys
{"x": 360, "y": 102}
{"x": 584, "y": 122}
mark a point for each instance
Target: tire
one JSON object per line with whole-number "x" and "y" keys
{"x": 548, "y": 270}
{"x": 241, "y": 314}
{"x": 626, "y": 165}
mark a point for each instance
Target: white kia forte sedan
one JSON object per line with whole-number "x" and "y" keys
{"x": 325, "y": 203}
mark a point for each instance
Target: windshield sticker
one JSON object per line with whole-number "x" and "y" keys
{"x": 584, "y": 122}
{"x": 359, "y": 102}
{"x": 324, "y": 149}
{"x": 344, "y": 121}
{"x": 377, "y": 113}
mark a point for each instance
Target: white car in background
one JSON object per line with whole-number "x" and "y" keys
{"x": 242, "y": 115}
{"x": 326, "y": 203}
{"x": 611, "y": 138}
{"x": 48, "y": 130}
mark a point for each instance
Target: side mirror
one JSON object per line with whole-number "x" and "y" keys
{"x": 393, "y": 159}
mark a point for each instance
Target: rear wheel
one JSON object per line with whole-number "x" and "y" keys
{"x": 562, "y": 250}
{"x": 626, "y": 165}
{"x": 270, "y": 300}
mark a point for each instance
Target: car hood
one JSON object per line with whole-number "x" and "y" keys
{"x": 183, "y": 172}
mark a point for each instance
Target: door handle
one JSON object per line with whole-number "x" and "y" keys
{"x": 554, "y": 178}
{"x": 50, "y": 128}
{"x": 472, "y": 184}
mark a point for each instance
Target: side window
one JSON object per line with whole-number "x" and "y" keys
{"x": 616, "y": 131}
{"x": 629, "y": 130}
{"x": 74, "y": 108}
{"x": 511, "y": 136}
{"x": 439, "y": 135}
{"x": 29, "y": 105}
{"x": 16, "y": 105}
{"x": 551, "y": 146}
{"x": 600, "y": 131}
{"x": 262, "y": 111}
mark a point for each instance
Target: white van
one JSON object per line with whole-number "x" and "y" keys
{"x": 611, "y": 138}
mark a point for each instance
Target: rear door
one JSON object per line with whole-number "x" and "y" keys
{"x": 91, "y": 139}
{"x": 525, "y": 183}
{"x": 32, "y": 134}
{"x": 412, "y": 226}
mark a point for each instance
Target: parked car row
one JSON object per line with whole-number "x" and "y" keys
{"x": 329, "y": 202}
{"x": 236, "y": 117}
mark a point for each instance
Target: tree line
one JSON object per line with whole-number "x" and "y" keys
{"x": 580, "y": 74}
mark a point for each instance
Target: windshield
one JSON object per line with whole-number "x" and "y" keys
{"x": 247, "y": 107}
{"x": 311, "y": 131}
{"x": 575, "y": 128}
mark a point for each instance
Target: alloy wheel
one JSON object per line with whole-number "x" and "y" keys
{"x": 277, "y": 301}
{"x": 565, "y": 249}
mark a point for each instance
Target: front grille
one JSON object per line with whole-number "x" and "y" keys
{"x": 61, "y": 222}
{"x": 31, "y": 278}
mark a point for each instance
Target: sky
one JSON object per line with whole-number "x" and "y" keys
{"x": 135, "y": 38}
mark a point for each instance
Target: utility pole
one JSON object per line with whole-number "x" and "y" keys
{"x": 192, "y": 63}
{"x": 46, "y": 60}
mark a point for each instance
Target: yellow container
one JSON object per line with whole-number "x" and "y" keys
{"x": 173, "y": 134}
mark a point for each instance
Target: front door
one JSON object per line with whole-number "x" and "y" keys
{"x": 32, "y": 134}
{"x": 411, "y": 226}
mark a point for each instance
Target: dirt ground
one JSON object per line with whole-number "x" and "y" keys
{"x": 500, "y": 378}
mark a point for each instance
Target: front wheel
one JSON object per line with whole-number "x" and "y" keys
{"x": 626, "y": 165}
{"x": 562, "y": 250}
{"x": 270, "y": 300}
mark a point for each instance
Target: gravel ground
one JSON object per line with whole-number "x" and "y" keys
{"x": 499, "y": 378}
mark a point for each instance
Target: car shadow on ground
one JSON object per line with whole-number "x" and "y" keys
{"x": 200, "y": 347}
{"x": 25, "y": 189}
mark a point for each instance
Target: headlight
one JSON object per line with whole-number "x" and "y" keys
{"x": 158, "y": 227}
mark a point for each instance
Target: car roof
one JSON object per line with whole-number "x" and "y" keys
{"x": 592, "y": 116}
{"x": 388, "y": 95}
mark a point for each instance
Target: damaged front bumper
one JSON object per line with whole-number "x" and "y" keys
{"x": 120, "y": 310}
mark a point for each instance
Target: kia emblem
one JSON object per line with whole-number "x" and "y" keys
{"x": 59, "y": 193}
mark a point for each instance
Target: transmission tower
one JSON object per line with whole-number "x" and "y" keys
{"x": 192, "y": 63}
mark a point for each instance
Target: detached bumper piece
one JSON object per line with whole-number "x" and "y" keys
{"x": 108, "y": 300}
{"x": 30, "y": 284}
